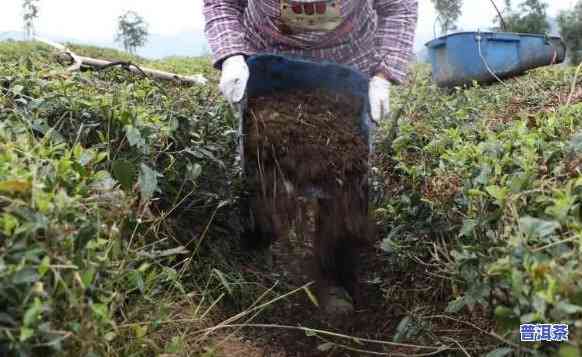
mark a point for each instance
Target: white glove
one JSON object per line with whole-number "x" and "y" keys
{"x": 379, "y": 93}
{"x": 234, "y": 78}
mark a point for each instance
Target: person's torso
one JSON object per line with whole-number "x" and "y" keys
{"x": 310, "y": 24}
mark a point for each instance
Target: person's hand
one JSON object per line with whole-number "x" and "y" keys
{"x": 379, "y": 93}
{"x": 234, "y": 78}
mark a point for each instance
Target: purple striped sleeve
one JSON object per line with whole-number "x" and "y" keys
{"x": 224, "y": 30}
{"x": 395, "y": 36}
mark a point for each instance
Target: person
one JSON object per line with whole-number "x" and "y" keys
{"x": 373, "y": 36}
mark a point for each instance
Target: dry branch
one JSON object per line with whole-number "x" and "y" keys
{"x": 81, "y": 61}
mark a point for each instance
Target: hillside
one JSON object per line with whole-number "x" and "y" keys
{"x": 186, "y": 43}
{"x": 118, "y": 221}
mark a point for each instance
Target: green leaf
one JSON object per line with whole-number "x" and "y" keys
{"x": 194, "y": 171}
{"x": 503, "y": 311}
{"x": 86, "y": 157}
{"x": 136, "y": 280}
{"x": 535, "y": 227}
{"x": 561, "y": 206}
{"x": 518, "y": 183}
{"x": 517, "y": 282}
{"x": 142, "y": 268}
{"x": 456, "y": 305}
{"x": 568, "y": 308}
{"x": 17, "y": 89}
{"x": 100, "y": 311}
{"x": 26, "y": 333}
{"x": 88, "y": 276}
{"x": 87, "y": 233}
{"x": 506, "y": 318}
{"x": 148, "y": 182}
{"x": 134, "y": 137}
{"x": 24, "y": 276}
{"x": 569, "y": 351}
{"x": 101, "y": 156}
{"x": 407, "y": 328}
{"x": 575, "y": 143}
{"x": 75, "y": 327}
{"x": 469, "y": 226}
{"x": 44, "y": 266}
{"x": 500, "y": 352}
{"x": 484, "y": 174}
{"x": 10, "y": 223}
{"x": 125, "y": 172}
{"x": 32, "y": 314}
{"x": 498, "y": 193}
{"x": 102, "y": 181}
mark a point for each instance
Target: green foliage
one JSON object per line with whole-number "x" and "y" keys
{"x": 104, "y": 180}
{"x": 24, "y": 53}
{"x": 132, "y": 31}
{"x": 496, "y": 172}
{"x": 570, "y": 22}
{"x": 448, "y": 12}
{"x": 531, "y": 17}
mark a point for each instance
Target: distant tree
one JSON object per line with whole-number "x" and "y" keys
{"x": 570, "y": 23}
{"x": 448, "y": 12}
{"x": 132, "y": 31}
{"x": 30, "y": 8}
{"x": 531, "y": 17}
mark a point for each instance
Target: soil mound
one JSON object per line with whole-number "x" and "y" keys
{"x": 310, "y": 137}
{"x": 307, "y": 146}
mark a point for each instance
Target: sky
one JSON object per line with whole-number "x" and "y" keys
{"x": 95, "y": 21}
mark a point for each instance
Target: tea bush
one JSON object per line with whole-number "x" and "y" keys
{"x": 496, "y": 171}
{"x": 111, "y": 185}
{"x": 107, "y": 181}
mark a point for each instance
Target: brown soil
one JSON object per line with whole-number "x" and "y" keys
{"x": 388, "y": 295}
{"x": 297, "y": 142}
{"x": 309, "y": 139}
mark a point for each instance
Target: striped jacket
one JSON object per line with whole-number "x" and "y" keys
{"x": 374, "y": 36}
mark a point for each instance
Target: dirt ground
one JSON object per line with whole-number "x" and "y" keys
{"x": 388, "y": 296}
{"x": 390, "y": 293}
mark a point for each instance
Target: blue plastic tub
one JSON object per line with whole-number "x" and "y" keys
{"x": 461, "y": 58}
{"x": 276, "y": 73}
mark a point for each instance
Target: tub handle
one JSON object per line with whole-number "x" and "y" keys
{"x": 437, "y": 43}
{"x": 501, "y": 38}
{"x": 508, "y": 38}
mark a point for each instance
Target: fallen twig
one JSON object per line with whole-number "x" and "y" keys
{"x": 489, "y": 333}
{"x": 165, "y": 253}
{"x": 81, "y": 61}
{"x": 432, "y": 349}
